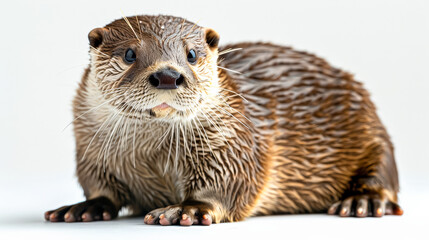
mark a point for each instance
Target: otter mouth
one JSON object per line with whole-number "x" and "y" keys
{"x": 162, "y": 110}
{"x": 162, "y": 106}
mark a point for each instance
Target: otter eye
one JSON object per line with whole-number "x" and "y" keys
{"x": 192, "y": 56}
{"x": 130, "y": 56}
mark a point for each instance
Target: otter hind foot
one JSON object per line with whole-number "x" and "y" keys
{"x": 365, "y": 205}
{"x": 100, "y": 208}
{"x": 185, "y": 215}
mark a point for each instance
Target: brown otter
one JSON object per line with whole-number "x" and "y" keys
{"x": 170, "y": 126}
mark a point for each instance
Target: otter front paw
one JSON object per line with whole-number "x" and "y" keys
{"x": 185, "y": 215}
{"x": 365, "y": 205}
{"x": 91, "y": 210}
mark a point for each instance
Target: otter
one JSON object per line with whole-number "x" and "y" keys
{"x": 177, "y": 129}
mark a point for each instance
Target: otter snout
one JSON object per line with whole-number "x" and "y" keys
{"x": 166, "y": 79}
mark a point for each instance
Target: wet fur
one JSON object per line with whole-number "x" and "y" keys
{"x": 290, "y": 134}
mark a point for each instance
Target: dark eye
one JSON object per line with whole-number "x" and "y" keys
{"x": 192, "y": 56}
{"x": 130, "y": 56}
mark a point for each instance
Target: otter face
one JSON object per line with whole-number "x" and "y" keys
{"x": 155, "y": 67}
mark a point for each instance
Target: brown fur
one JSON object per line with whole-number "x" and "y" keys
{"x": 290, "y": 134}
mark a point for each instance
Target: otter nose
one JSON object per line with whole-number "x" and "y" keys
{"x": 166, "y": 79}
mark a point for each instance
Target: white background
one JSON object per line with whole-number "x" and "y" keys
{"x": 44, "y": 49}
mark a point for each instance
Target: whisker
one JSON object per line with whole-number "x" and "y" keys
{"x": 229, "y": 50}
{"x": 93, "y": 137}
{"x": 129, "y": 24}
{"x": 190, "y": 31}
{"x": 235, "y": 93}
{"x": 227, "y": 69}
{"x": 195, "y": 141}
{"x": 138, "y": 23}
{"x": 105, "y": 149}
{"x": 181, "y": 28}
{"x": 230, "y": 114}
{"x": 162, "y": 139}
{"x": 95, "y": 49}
{"x": 90, "y": 110}
{"x": 102, "y": 126}
{"x": 206, "y": 137}
{"x": 119, "y": 141}
{"x": 169, "y": 147}
{"x": 134, "y": 143}
{"x": 177, "y": 149}
{"x": 200, "y": 134}
{"x": 185, "y": 144}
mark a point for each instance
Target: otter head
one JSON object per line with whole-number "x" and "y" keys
{"x": 155, "y": 67}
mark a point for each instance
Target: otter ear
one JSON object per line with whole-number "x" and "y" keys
{"x": 212, "y": 38}
{"x": 96, "y": 36}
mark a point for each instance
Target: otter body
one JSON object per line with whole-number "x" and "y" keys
{"x": 171, "y": 126}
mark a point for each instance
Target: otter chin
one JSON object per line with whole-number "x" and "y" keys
{"x": 162, "y": 110}
{"x": 176, "y": 128}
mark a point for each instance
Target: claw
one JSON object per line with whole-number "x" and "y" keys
{"x": 68, "y": 217}
{"x": 364, "y": 205}
{"x": 106, "y": 216}
{"x": 344, "y": 212}
{"x": 86, "y": 211}
{"x": 178, "y": 214}
{"x": 398, "y": 211}
{"x": 360, "y": 211}
{"x": 379, "y": 212}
